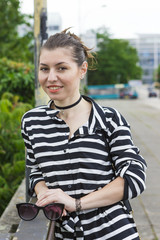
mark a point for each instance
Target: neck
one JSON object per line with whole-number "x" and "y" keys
{"x": 68, "y": 106}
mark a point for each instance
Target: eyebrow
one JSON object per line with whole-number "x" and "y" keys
{"x": 57, "y": 64}
{"x": 43, "y": 64}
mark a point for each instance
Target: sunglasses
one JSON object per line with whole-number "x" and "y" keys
{"x": 29, "y": 211}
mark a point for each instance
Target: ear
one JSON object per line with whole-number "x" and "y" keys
{"x": 84, "y": 68}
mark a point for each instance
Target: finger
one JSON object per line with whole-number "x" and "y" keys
{"x": 44, "y": 202}
{"x": 47, "y": 200}
{"x": 44, "y": 197}
{"x": 64, "y": 213}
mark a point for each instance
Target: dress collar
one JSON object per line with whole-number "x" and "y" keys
{"x": 97, "y": 118}
{"x": 51, "y": 112}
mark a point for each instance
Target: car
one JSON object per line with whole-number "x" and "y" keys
{"x": 128, "y": 94}
{"x": 152, "y": 94}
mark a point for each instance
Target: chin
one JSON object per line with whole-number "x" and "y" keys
{"x": 56, "y": 98}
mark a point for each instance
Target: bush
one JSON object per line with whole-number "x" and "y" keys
{"x": 12, "y": 164}
{"x": 18, "y": 79}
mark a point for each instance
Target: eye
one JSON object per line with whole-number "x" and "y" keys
{"x": 62, "y": 69}
{"x": 43, "y": 69}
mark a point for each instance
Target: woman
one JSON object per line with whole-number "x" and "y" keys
{"x": 72, "y": 145}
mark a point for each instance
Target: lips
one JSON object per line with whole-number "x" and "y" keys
{"x": 54, "y": 88}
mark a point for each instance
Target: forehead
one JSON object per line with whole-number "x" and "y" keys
{"x": 58, "y": 54}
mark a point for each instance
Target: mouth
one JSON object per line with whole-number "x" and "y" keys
{"x": 54, "y": 88}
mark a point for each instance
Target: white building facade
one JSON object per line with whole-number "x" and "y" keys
{"x": 54, "y": 23}
{"x": 148, "y": 48}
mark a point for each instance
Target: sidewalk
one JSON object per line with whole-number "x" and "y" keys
{"x": 147, "y": 206}
{"x": 9, "y": 220}
{"x": 143, "y": 114}
{"x": 143, "y": 97}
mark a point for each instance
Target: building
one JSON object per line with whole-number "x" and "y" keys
{"x": 90, "y": 40}
{"x": 54, "y": 23}
{"x": 148, "y": 48}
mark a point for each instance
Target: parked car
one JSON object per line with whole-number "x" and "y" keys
{"x": 128, "y": 94}
{"x": 152, "y": 94}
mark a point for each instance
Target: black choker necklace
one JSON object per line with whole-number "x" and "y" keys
{"x": 69, "y": 106}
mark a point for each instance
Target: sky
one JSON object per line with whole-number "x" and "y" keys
{"x": 122, "y": 18}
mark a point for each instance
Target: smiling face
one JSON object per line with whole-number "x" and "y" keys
{"x": 59, "y": 74}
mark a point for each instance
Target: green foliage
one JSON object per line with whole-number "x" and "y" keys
{"x": 158, "y": 74}
{"x": 18, "y": 79}
{"x": 12, "y": 45}
{"x": 12, "y": 164}
{"x": 156, "y": 77}
{"x": 10, "y": 18}
{"x": 16, "y": 94}
{"x": 117, "y": 62}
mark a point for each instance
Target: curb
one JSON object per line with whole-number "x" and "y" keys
{"x": 9, "y": 219}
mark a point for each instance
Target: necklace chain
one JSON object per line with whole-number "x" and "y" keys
{"x": 69, "y": 106}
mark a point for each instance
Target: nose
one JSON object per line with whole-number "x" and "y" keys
{"x": 52, "y": 75}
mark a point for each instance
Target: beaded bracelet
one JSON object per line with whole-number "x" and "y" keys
{"x": 78, "y": 204}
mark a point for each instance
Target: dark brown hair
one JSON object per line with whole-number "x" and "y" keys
{"x": 66, "y": 39}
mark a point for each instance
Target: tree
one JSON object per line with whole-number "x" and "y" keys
{"x": 12, "y": 163}
{"x": 117, "y": 62}
{"x": 156, "y": 77}
{"x": 16, "y": 76}
{"x": 158, "y": 74}
{"x": 18, "y": 79}
{"x": 12, "y": 45}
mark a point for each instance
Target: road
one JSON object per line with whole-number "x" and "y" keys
{"x": 144, "y": 117}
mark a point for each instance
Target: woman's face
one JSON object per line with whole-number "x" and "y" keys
{"x": 59, "y": 74}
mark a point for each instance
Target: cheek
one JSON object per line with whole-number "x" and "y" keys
{"x": 41, "y": 78}
{"x": 74, "y": 82}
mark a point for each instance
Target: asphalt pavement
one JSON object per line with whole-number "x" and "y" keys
{"x": 143, "y": 114}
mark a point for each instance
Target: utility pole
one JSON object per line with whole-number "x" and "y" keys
{"x": 40, "y": 17}
{"x": 40, "y": 27}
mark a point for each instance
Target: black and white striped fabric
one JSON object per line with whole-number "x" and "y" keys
{"x": 81, "y": 165}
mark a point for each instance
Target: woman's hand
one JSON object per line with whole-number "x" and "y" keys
{"x": 56, "y": 195}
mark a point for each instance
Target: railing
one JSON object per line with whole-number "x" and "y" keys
{"x": 12, "y": 228}
{"x": 38, "y": 229}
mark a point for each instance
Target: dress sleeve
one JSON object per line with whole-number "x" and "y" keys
{"x": 128, "y": 162}
{"x": 31, "y": 163}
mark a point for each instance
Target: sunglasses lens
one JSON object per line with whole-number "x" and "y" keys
{"x": 27, "y": 212}
{"x": 53, "y": 212}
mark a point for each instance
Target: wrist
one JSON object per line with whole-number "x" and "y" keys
{"x": 78, "y": 205}
{"x": 40, "y": 188}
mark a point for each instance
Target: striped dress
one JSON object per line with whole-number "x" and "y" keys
{"x": 81, "y": 165}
